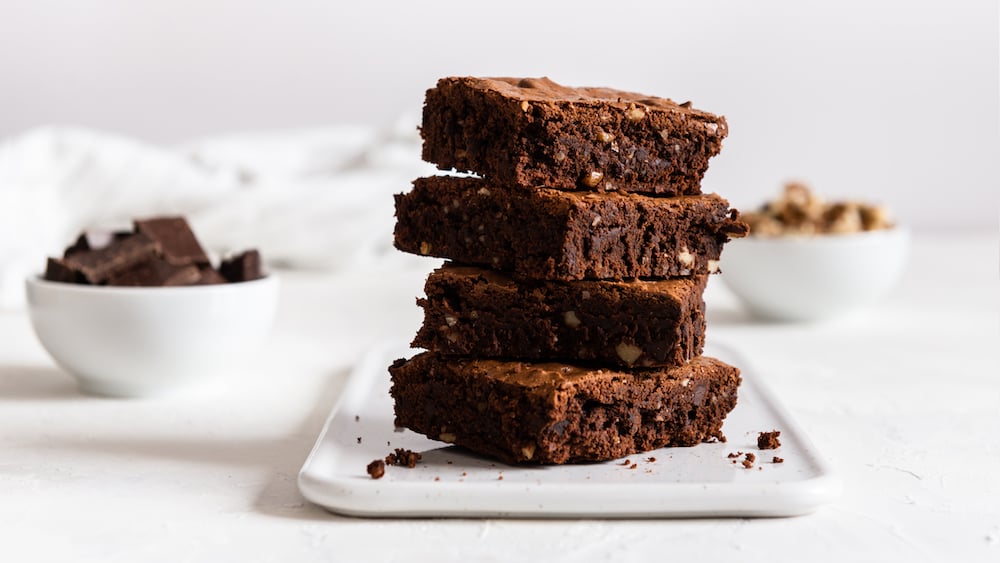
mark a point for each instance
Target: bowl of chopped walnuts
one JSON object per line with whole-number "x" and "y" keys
{"x": 808, "y": 259}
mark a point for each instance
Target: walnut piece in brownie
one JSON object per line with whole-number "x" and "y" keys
{"x": 376, "y": 469}
{"x": 529, "y": 132}
{"x": 472, "y": 311}
{"x": 556, "y": 235}
{"x": 522, "y": 412}
{"x": 768, "y": 440}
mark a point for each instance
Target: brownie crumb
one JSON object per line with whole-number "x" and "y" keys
{"x": 403, "y": 457}
{"x": 626, "y": 462}
{"x": 357, "y": 418}
{"x": 359, "y": 439}
{"x": 376, "y": 469}
{"x": 777, "y": 459}
{"x": 651, "y": 460}
{"x": 748, "y": 460}
{"x": 733, "y": 455}
{"x": 437, "y": 478}
{"x": 751, "y": 457}
{"x": 465, "y": 474}
{"x": 500, "y": 477}
{"x": 633, "y": 466}
{"x": 760, "y": 468}
{"x": 747, "y": 463}
{"x": 769, "y": 440}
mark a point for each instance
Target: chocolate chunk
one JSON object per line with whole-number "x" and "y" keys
{"x": 80, "y": 245}
{"x": 98, "y": 265}
{"x": 156, "y": 272}
{"x": 57, "y": 270}
{"x": 162, "y": 252}
{"x": 209, "y": 276}
{"x": 177, "y": 241}
{"x": 242, "y": 267}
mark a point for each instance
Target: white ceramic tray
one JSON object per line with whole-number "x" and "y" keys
{"x": 452, "y": 482}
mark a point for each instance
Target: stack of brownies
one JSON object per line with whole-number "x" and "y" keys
{"x": 569, "y": 322}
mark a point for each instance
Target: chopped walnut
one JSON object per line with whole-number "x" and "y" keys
{"x": 799, "y": 211}
{"x": 376, "y": 469}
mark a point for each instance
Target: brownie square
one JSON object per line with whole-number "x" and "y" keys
{"x": 560, "y": 235}
{"x": 520, "y": 412}
{"x": 530, "y": 132}
{"x": 471, "y": 311}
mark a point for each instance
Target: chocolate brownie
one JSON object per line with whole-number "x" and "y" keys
{"x": 560, "y": 235}
{"x": 532, "y": 132}
{"x": 478, "y": 312}
{"x": 558, "y": 413}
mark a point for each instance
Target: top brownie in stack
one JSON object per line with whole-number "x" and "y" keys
{"x": 532, "y": 132}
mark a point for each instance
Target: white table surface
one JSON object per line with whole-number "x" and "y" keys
{"x": 903, "y": 399}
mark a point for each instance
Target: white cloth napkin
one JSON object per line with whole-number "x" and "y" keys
{"x": 316, "y": 198}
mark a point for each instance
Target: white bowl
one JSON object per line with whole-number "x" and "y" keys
{"x": 131, "y": 342}
{"x": 809, "y": 278}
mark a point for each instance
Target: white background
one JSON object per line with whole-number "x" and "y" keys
{"x": 895, "y": 102}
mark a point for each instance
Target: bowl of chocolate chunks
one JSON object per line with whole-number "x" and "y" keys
{"x": 144, "y": 312}
{"x": 808, "y": 259}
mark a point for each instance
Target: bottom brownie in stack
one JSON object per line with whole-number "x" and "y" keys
{"x": 557, "y": 413}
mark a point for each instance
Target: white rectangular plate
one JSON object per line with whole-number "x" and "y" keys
{"x": 666, "y": 483}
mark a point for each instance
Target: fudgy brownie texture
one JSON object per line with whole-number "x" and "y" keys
{"x": 522, "y": 412}
{"x": 560, "y": 235}
{"x": 471, "y": 311}
{"x": 532, "y": 132}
